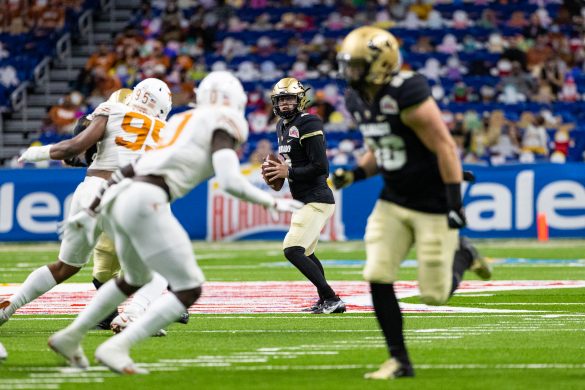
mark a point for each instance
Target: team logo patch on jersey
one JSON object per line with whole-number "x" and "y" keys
{"x": 388, "y": 105}
{"x": 293, "y": 132}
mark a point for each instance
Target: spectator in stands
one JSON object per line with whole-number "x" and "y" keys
{"x": 52, "y": 18}
{"x": 507, "y": 146}
{"x": 98, "y": 63}
{"x": 263, "y": 150}
{"x": 321, "y": 107}
{"x": 65, "y": 115}
{"x": 423, "y": 45}
{"x": 552, "y": 73}
{"x": 535, "y": 139}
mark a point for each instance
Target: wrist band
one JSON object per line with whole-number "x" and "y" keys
{"x": 453, "y": 191}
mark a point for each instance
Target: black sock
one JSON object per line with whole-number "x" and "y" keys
{"x": 461, "y": 263}
{"x": 105, "y": 323}
{"x": 315, "y": 260}
{"x": 390, "y": 320}
{"x": 296, "y": 255}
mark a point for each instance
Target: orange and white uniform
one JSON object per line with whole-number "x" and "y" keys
{"x": 127, "y": 136}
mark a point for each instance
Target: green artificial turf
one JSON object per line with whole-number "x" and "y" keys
{"x": 540, "y": 347}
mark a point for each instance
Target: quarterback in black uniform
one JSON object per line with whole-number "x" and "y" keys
{"x": 409, "y": 144}
{"x": 301, "y": 143}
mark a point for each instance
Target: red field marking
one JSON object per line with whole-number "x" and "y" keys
{"x": 277, "y": 297}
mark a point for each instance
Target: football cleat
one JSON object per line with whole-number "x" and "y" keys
{"x": 69, "y": 347}
{"x": 3, "y": 353}
{"x": 122, "y": 321}
{"x": 330, "y": 306}
{"x": 184, "y": 319}
{"x": 117, "y": 359}
{"x": 479, "y": 265}
{"x": 391, "y": 369}
{"x": 4, "y": 316}
{"x": 315, "y": 307}
{"x": 106, "y": 323}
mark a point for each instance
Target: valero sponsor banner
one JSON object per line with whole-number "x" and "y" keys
{"x": 504, "y": 202}
{"x": 229, "y": 218}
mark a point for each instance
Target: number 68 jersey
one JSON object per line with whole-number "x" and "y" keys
{"x": 410, "y": 170}
{"x": 128, "y": 135}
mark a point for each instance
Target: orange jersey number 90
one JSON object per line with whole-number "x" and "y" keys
{"x": 141, "y": 131}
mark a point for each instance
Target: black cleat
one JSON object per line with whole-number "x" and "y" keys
{"x": 184, "y": 319}
{"x": 106, "y": 323}
{"x": 315, "y": 307}
{"x": 479, "y": 265}
{"x": 330, "y": 306}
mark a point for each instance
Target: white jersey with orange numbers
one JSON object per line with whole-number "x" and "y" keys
{"x": 128, "y": 135}
{"x": 183, "y": 156}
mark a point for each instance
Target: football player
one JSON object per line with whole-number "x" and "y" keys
{"x": 301, "y": 142}
{"x": 420, "y": 204}
{"x": 3, "y": 353}
{"x": 198, "y": 144}
{"x": 105, "y": 261}
{"x": 122, "y": 133}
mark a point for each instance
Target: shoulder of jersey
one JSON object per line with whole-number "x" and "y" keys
{"x": 232, "y": 121}
{"x": 107, "y": 108}
{"x": 305, "y": 117}
{"x": 407, "y": 79}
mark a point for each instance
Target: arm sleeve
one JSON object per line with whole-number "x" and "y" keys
{"x": 227, "y": 171}
{"x": 318, "y": 165}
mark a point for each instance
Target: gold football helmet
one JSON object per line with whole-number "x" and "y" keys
{"x": 120, "y": 96}
{"x": 289, "y": 86}
{"x": 369, "y": 55}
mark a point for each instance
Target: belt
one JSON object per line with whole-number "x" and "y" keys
{"x": 156, "y": 180}
{"x": 99, "y": 173}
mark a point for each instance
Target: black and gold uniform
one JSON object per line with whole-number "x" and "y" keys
{"x": 420, "y": 205}
{"x": 301, "y": 142}
{"x": 410, "y": 171}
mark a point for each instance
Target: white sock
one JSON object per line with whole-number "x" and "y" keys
{"x": 106, "y": 299}
{"x": 159, "y": 314}
{"x": 146, "y": 295}
{"x": 36, "y": 284}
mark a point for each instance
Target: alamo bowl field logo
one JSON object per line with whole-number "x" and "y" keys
{"x": 229, "y": 218}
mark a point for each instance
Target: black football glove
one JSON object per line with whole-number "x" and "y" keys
{"x": 456, "y": 218}
{"x": 75, "y": 162}
{"x": 468, "y": 176}
{"x": 455, "y": 212}
{"x": 342, "y": 178}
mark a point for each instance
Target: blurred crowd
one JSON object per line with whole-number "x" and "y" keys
{"x": 29, "y": 30}
{"x": 497, "y": 67}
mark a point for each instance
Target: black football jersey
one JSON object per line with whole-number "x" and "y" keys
{"x": 410, "y": 170}
{"x": 301, "y": 142}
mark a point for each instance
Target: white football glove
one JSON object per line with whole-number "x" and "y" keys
{"x": 36, "y": 153}
{"x": 283, "y": 205}
{"x": 81, "y": 228}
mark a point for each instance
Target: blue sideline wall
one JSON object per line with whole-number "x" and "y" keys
{"x": 503, "y": 203}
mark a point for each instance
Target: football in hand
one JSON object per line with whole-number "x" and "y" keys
{"x": 277, "y": 183}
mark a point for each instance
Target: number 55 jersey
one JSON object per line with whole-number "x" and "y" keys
{"x": 410, "y": 170}
{"x": 128, "y": 135}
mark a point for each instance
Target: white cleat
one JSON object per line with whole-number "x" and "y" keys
{"x": 117, "y": 359}
{"x": 69, "y": 347}
{"x": 4, "y": 315}
{"x": 3, "y": 353}
{"x": 122, "y": 321}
